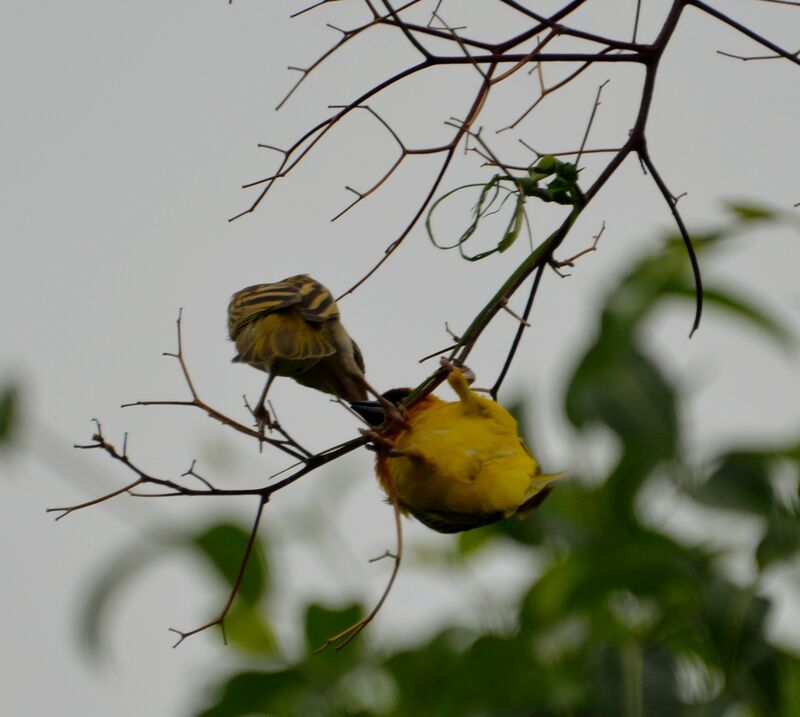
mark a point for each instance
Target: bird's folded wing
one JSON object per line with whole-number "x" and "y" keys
{"x": 260, "y": 300}
{"x": 285, "y": 336}
{"x": 445, "y": 521}
{"x": 317, "y": 304}
{"x": 539, "y": 490}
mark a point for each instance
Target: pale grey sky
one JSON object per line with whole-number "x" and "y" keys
{"x": 126, "y": 131}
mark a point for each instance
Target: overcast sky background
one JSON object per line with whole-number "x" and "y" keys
{"x": 126, "y": 132}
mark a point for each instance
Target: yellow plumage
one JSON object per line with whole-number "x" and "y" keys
{"x": 461, "y": 465}
{"x": 292, "y": 328}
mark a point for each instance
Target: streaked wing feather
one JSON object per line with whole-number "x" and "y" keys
{"x": 260, "y": 300}
{"x": 317, "y": 304}
{"x": 285, "y": 335}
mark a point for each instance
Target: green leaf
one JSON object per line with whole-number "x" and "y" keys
{"x": 572, "y": 515}
{"x": 246, "y": 629}
{"x": 641, "y": 562}
{"x": 547, "y": 164}
{"x": 432, "y": 678}
{"x": 620, "y": 387}
{"x": 616, "y": 383}
{"x": 277, "y": 694}
{"x": 781, "y": 540}
{"x": 766, "y": 692}
{"x": 9, "y": 414}
{"x": 790, "y": 684}
{"x": 323, "y": 623}
{"x": 739, "y": 308}
{"x": 654, "y": 278}
{"x": 224, "y": 545}
{"x": 495, "y": 673}
{"x": 741, "y": 482}
{"x": 751, "y": 212}
{"x": 734, "y": 620}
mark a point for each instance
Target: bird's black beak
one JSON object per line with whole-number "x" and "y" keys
{"x": 373, "y": 412}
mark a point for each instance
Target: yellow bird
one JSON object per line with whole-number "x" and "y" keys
{"x": 292, "y": 328}
{"x": 460, "y": 465}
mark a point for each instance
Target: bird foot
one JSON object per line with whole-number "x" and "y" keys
{"x": 468, "y": 373}
{"x": 263, "y": 419}
{"x": 396, "y": 416}
{"x": 381, "y": 443}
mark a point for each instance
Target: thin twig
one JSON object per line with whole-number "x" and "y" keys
{"x": 727, "y": 20}
{"x": 687, "y": 240}
{"x": 520, "y": 329}
{"x": 343, "y": 638}
{"x": 287, "y": 445}
{"x": 220, "y": 618}
{"x": 591, "y": 120}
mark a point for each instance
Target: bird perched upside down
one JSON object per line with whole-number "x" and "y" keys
{"x": 460, "y": 465}
{"x": 292, "y": 328}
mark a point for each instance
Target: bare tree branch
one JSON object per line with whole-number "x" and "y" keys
{"x": 237, "y": 583}
{"x": 442, "y": 46}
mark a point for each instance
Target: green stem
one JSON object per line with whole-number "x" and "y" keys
{"x": 539, "y": 255}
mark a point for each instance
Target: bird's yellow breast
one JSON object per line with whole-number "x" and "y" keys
{"x": 464, "y": 459}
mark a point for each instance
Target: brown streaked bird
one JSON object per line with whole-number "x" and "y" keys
{"x": 292, "y": 328}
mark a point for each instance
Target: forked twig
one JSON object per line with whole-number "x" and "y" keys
{"x": 343, "y": 638}
{"x": 220, "y": 619}
{"x": 288, "y": 445}
{"x": 556, "y": 265}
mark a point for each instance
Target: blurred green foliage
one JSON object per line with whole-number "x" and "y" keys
{"x": 624, "y": 618}
{"x": 9, "y": 415}
{"x": 220, "y": 548}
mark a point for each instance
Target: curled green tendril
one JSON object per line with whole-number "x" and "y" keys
{"x": 561, "y": 189}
